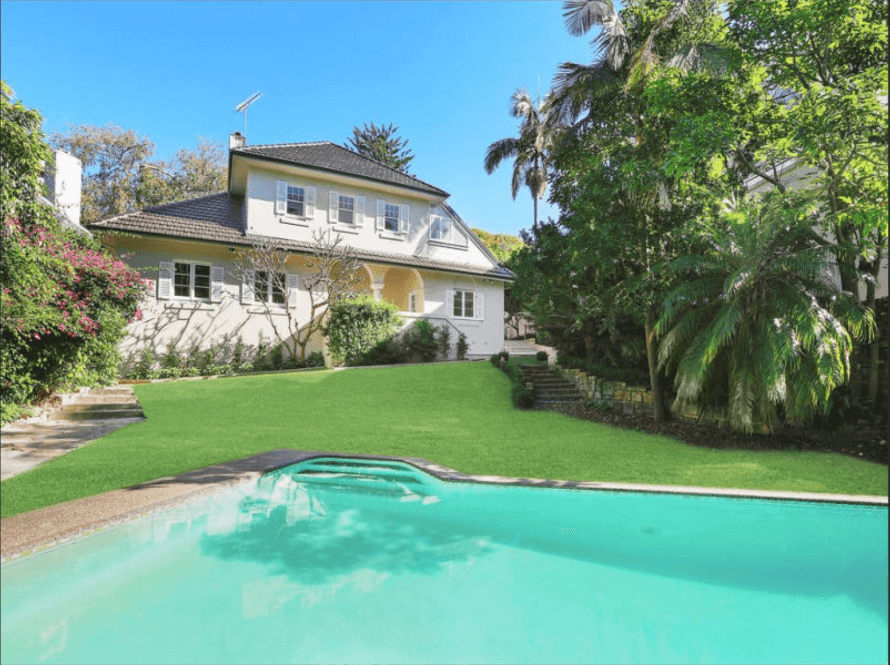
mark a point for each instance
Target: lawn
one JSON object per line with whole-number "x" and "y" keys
{"x": 459, "y": 415}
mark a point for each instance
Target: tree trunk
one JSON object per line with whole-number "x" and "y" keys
{"x": 657, "y": 401}
{"x": 874, "y": 355}
{"x": 535, "y": 223}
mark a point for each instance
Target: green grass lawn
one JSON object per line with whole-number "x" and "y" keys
{"x": 459, "y": 415}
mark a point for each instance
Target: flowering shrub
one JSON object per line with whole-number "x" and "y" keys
{"x": 64, "y": 306}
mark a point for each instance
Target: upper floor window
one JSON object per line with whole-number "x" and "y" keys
{"x": 440, "y": 228}
{"x": 345, "y": 209}
{"x": 294, "y": 200}
{"x": 191, "y": 280}
{"x": 392, "y": 217}
{"x": 443, "y": 229}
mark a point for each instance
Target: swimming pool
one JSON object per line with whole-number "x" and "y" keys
{"x": 347, "y": 560}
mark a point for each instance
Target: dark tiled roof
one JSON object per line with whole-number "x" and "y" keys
{"x": 331, "y": 157}
{"x": 218, "y": 218}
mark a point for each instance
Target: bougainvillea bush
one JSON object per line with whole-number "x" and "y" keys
{"x": 64, "y": 300}
{"x": 65, "y": 305}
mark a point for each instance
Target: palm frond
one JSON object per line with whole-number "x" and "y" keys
{"x": 498, "y": 152}
{"x": 581, "y": 15}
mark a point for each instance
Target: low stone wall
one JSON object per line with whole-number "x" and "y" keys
{"x": 617, "y": 394}
{"x": 638, "y": 399}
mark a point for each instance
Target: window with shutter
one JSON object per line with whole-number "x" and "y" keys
{"x": 292, "y": 293}
{"x": 217, "y": 277}
{"x": 403, "y": 219}
{"x": 333, "y": 207}
{"x": 247, "y": 288}
{"x": 165, "y": 280}
{"x": 467, "y": 304}
{"x": 280, "y": 197}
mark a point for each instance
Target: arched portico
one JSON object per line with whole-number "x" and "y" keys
{"x": 403, "y": 287}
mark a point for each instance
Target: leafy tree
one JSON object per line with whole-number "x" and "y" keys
{"x": 530, "y": 152}
{"x": 622, "y": 209}
{"x": 120, "y": 175}
{"x": 829, "y": 62}
{"x": 333, "y": 275}
{"x": 502, "y": 245}
{"x": 360, "y": 325}
{"x": 757, "y": 318}
{"x": 383, "y": 144}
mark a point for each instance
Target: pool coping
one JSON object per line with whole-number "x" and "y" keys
{"x": 46, "y": 527}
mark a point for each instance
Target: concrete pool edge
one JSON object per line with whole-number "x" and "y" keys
{"x": 53, "y": 525}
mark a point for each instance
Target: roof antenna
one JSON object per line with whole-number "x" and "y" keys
{"x": 243, "y": 107}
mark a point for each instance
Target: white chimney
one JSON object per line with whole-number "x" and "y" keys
{"x": 237, "y": 140}
{"x": 64, "y": 181}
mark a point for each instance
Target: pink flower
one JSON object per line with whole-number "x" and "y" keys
{"x": 36, "y": 336}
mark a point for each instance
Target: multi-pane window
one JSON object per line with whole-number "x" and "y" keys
{"x": 268, "y": 290}
{"x": 346, "y": 210}
{"x": 463, "y": 304}
{"x": 191, "y": 280}
{"x": 296, "y": 201}
{"x": 440, "y": 228}
{"x": 391, "y": 217}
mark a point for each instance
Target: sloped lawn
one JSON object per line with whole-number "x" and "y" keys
{"x": 459, "y": 415}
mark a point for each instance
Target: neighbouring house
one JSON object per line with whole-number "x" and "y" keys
{"x": 416, "y": 252}
{"x": 63, "y": 178}
{"x": 795, "y": 174}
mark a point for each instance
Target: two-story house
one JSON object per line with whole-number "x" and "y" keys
{"x": 416, "y": 251}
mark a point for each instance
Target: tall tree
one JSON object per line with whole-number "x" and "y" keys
{"x": 530, "y": 152}
{"x": 502, "y": 245}
{"x": 383, "y": 144}
{"x": 622, "y": 208}
{"x": 121, "y": 176}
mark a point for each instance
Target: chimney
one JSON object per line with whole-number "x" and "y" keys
{"x": 63, "y": 182}
{"x": 237, "y": 140}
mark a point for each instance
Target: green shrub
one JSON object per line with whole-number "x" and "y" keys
{"x": 357, "y": 325}
{"x": 444, "y": 340}
{"x": 261, "y": 362}
{"x": 238, "y": 353}
{"x": 496, "y": 360}
{"x": 315, "y": 359}
{"x": 462, "y": 347}
{"x": 523, "y": 398}
{"x": 541, "y": 356}
{"x": 388, "y": 352}
{"x": 10, "y": 412}
{"x": 420, "y": 341}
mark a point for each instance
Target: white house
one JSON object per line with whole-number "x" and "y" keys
{"x": 416, "y": 251}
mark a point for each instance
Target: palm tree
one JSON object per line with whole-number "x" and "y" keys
{"x": 759, "y": 319}
{"x": 531, "y": 151}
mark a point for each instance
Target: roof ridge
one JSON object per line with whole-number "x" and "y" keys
{"x": 279, "y": 145}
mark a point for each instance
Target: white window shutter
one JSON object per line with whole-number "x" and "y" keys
{"x": 217, "y": 277}
{"x": 381, "y": 215}
{"x": 449, "y": 303}
{"x": 334, "y": 207}
{"x": 165, "y": 280}
{"x": 281, "y": 197}
{"x": 403, "y": 218}
{"x": 292, "y": 283}
{"x": 359, "y": 211}
{"x": 247, "y": 287}
{"x": 479, "y": 306}
{"x": 309, "y": 202}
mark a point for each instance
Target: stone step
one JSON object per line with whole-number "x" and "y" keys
{"x": 97, "y": 411}
{"x": 566, "y": 394}
{"x": 92, "y": 398}
{"x": 112, "y": 390}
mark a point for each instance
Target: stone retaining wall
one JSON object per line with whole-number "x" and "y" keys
{"x": 638, "y": 399}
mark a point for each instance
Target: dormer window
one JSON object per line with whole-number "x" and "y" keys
{"x": 296, "y": 201}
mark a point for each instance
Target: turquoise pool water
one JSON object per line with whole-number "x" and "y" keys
{"x": 376, "y": 562}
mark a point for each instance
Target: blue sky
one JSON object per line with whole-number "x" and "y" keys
{"x": 174, "y": 71}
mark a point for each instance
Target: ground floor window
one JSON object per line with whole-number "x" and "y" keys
{"x": 463, "y": 304}
{"x": 191, "y": 280}
{"x": 269, "y": 287}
